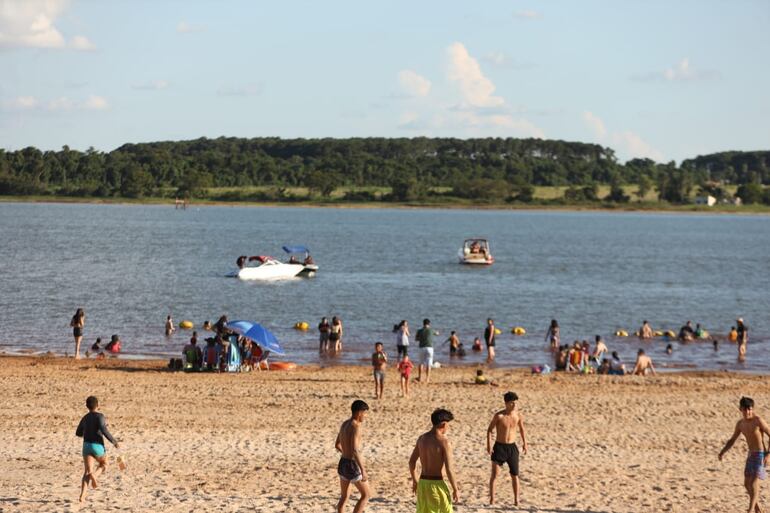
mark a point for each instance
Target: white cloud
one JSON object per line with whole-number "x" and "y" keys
{"x": 682, "y": 71}
{"x": 184, "y": 27}
{"x": 635, "y": 147}
{"x": 60, "y": 104}
{"x": 628, "y": 143}
{"x": 596, "y": 124}
{"x": 463, "y": 69}
{"x": 472, "y": 109}
{"x": 413, "y": 84}
{"x": 153, "y": 85}
{"x": 94, "y": 102}
{"x": 527, "y": 15}
{"x": 22, "y": 103}
{"x": 82, "y": 43}
{"x": 32, "y": 24}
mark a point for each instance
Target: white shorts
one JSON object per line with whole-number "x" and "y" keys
{"x": 426, "y": 356}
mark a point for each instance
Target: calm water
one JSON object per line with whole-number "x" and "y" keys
{"x": 130, "y": 266}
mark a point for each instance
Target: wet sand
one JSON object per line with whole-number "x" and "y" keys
{"x": 264, "y": 441}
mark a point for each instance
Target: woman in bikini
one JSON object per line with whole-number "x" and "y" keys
{"x": 77, "y": 323}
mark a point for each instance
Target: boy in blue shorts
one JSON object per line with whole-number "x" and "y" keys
{"x": 92, "y": 428}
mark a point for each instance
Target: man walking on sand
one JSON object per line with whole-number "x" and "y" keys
{"x": 425, "y": 338}
{"x": 435, "y": 453}
{"x": 753, "y": 429}
{"x": 351, "y": 468}
{"x": 505, "y": 423}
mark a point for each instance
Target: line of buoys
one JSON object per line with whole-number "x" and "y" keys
{"x": 621, "y": 333}
{"x": 302, "y": 326}
{"x": 186, "y": 325}
{"x": 518, "y": 330}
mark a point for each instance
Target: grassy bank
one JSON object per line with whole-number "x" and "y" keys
{"x": 544, "y": 198}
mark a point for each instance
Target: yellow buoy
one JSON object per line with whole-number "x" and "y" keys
{"x": 186, "y": 325}
{"x": 302, "y": 326}
{"x": 670, "y": 334}
{"x": 657, "y": 333}
{"x": 518, "y": 330}
{"x": 621, "y": 333}
{"x": 498, "y": 331}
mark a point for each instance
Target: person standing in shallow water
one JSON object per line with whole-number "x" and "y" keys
{"x": 489, "y": 338}
{"x": 351, "y": 467}
{"x": 552, "y": 335}
{"x": 77, "y": 323}
{"x": 743, "y": 338}
{"x": 323, "y": 335}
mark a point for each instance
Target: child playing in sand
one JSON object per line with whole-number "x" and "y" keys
{"x": 91, "y": 428}
{"x": 481, "y": 379}
{"x": 753, "y": 428}
{"x": 405, "y": 367}
{"x": 379, "y": 361}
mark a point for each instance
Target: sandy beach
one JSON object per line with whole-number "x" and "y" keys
{"x": 264, "y": 441}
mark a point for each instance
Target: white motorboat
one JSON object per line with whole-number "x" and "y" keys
{"x": 309, "y": 265}
{"x": 475, "y": 252}
{"x": 268, "y": 268}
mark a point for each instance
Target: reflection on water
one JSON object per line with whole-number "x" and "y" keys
{"x": 130, "y": 266}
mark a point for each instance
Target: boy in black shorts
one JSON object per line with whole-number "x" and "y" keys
{"x": 504, "y": 423}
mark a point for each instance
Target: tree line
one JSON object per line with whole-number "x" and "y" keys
{"x": 488, "y": 169}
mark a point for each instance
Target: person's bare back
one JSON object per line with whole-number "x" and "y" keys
{"x": 434, "y": 453}
{"x": 432, "y": 448}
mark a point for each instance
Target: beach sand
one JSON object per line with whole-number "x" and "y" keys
{"x": 264, "y": 441}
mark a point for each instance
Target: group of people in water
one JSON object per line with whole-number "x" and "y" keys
{"x": 78, "y": 323}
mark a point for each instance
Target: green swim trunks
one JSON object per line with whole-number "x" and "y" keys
{"x": 433, "y": 496}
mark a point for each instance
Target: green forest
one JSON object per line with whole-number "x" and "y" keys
{"x": 488, "y": 170}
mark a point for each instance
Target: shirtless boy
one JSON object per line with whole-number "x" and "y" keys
{"x": 752, "y": 428}
{"x": 505, "y": 423}
{"x": 435, "y": 453}
{"x": 379, "y": 361}
{"x": 643, "y": 364}
{"x": 93, "y": 429}
{"x": 351, "y": 467}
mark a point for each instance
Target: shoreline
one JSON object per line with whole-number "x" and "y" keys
{"x": 759, "y": 210}
{"x": 153, "y": 363}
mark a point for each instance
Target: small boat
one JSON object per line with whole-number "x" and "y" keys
{"x": 310, "y": 267}
{"x": 475, "y": 252}
{"x": 267, "y": 268}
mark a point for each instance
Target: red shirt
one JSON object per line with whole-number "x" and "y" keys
{"x": 405, "y": 367}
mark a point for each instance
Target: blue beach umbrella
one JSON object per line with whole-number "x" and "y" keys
{"x": 257, "y": 333}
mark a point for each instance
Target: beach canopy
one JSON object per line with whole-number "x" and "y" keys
{"x": 258, "y": 334}
{"x": 296, "y": 249}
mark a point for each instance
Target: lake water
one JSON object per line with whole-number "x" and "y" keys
{"x": 596, "y": 272}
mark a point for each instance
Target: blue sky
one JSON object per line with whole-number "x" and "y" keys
{"x": 661, "y": 79}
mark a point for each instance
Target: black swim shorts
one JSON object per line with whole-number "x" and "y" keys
{"x": 348, "y": 470}
{"x": 506, "y": 453}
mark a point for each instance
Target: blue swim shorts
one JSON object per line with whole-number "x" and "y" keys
{"x": 92, "y": 449}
